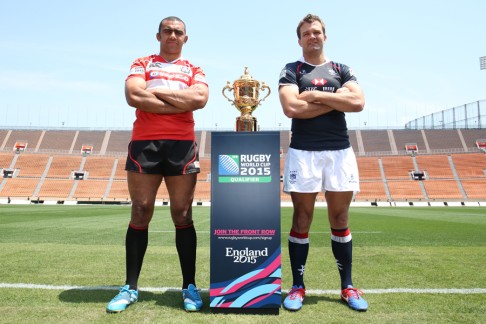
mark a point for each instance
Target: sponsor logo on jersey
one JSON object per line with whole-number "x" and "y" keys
{"x": 185, "y": 69}
{"x": 318, "y": 82}
{"x": 200, "y": 78}
{"x": 137, "y": 70}
{"x": 157, "y": 65}
{"x": 169, "y": 76}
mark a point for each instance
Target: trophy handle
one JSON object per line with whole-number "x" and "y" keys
{"x": 229, "y": 88}
{"x": 264, "y": 86}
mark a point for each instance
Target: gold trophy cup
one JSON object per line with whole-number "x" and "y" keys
{"x": 246, "y": 91}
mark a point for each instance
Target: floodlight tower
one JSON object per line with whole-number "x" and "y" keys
{"x": 482, "y": 62}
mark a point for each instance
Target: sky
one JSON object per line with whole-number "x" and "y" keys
{"x": 63, "y": 64}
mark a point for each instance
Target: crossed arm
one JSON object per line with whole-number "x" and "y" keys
{"x": 310, "y": 104}
{"x": 165, "y": 101}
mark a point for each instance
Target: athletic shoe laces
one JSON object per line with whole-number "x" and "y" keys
{"x": 353, "y": 293}
{"x": 296, "y": 293}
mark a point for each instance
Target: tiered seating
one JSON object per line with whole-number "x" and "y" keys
{"x": 405, "y": 190}
{"x": 55, "y": 188}
{"x": 119, "y": 191}
{"x": 31, "y": 165}
{"x": 207, "y": 148}
{"x": 57, "y": 140}
{"x": 471, "y": 136}
{"x": 94, "y": 138}
{"x": 443, "y": 139}
{"x": 6, "y": 160}
{"x": 442, "y": 189}
{"x": 407, "y": 136}
{"x": 475, "y": 189}
{"x": 397, "y": 167}
{"x": 120, "y": 173}
{"x": 437, "y": 166}
{"x": 90, "y": 189}
{"x": 99, "y": 167}
{"x": 29, "y": 136}
{"x": 62, "y": 166}
{"x": 369, "y": 169}
{"x": 205, "y": 165}
{"x": 353, "y": 140}
{"x": 470, "y": 165}
{"x": 371, "y": 190}
{"x": 203, "y": 191}
{"x": 375, "y": 141}
{"x": 440, "y": 183}
{"x": 119, "y": 141}
{"x": 3, "y": 135}
{"x": 19, "y": 187}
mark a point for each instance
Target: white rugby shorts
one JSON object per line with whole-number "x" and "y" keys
{"x": 316, "y": 171}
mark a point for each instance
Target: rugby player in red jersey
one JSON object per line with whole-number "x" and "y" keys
{"x": 164, "y": 89}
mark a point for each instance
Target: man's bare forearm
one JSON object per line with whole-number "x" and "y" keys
{"x": 148, "y": 102}
{"x": 190, "y": 99}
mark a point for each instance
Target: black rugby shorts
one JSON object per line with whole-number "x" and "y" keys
{"x": 165, "y": 157}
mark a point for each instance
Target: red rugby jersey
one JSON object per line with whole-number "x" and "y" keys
{"x": 157, "y": 72}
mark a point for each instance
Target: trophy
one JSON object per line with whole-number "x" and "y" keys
{"x": 246, "y": 91}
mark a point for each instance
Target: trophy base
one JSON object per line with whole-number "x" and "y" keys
{"x": 246, "y": 124}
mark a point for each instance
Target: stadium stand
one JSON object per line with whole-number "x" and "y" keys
{"x": 372, "y": 191}
{"x": 94, "y": 138}
{"x": 30, "y": 136}
{"x": 405, "y": 136}
{"x": 31, "y": 165}
{"x": 376, "y": 141}
{"x": 118, "y": 141}
{"x": 55, "y": 188}
{"x": 453, "y": 166}
{"x": 443, "y": 139}
{"x": 475, "y": 189}
{"x": 19, "y": 187}
{"x": 397, "y": 167}
{"x": 470, "y": 165}
{"x": 99, "y": 167}
{"x": 90, "y": 190}
{"x": 63, "y": 165}
{"x": 405, "y": 190}
{"x": 56, "y": 140}
{"x": 443, "y": 190}
{"x": 435, "y": 166}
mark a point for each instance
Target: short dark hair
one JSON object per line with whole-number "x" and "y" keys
{"x": 310, "y": 19}
{"x": 172, "y": 18}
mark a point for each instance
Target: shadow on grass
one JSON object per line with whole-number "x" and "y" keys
{"x": 172, "y": 298}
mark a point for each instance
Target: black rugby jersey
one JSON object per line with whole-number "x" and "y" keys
{"x": 328, "y": 131}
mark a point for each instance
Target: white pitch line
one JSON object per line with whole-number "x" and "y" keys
{"x": 308, "y": 291}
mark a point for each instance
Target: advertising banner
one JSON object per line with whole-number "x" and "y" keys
{"x": 245, "y": 221}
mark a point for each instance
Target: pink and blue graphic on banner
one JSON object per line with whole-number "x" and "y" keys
{"x": 259, "y": 288}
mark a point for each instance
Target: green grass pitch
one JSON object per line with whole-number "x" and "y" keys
{"x": 409, "y": 259}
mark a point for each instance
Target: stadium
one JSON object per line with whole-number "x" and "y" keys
{"x": 63, "y": 207}
{"x": 435, "y": 160}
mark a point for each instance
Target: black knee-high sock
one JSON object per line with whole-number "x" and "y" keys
{"x": 342, "y": 248}
{"x": 136, "y": 242}
{"x": 298, "y": 251}
{"x": 186, "y": 244}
